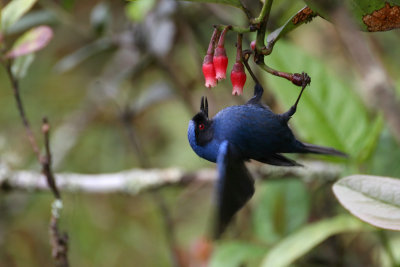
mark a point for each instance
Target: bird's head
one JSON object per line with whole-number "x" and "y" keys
{"x": 201, "y": 125}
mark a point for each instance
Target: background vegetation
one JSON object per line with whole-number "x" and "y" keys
{"x": 119, "y": 86}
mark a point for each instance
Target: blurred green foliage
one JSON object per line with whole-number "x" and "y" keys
{"x": 105, "y": 89}
{"x": 330, "y": 108}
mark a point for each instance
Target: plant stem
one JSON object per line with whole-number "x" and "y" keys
{"x": 21, "y": 110}
{"x": 262, "y": 20}
{"x": 239, "y": 47}
{"x": 237, "y": 29}
{"x": 275, "y": 72}
{"x": 296, "y": 78}
{"x": 58, "y": 240}
{"x": 46, "y": 161}
{"x": 264, "y": 14}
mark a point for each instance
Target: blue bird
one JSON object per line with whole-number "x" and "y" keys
{"x": 240, "y": 133}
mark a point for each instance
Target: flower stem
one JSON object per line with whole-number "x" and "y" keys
{"x": 211, "y": 45}
{"x": 239, "y": 47}
{"x": 237, "y": 29}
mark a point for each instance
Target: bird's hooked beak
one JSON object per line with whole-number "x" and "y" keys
{"x": 204, "y": 106}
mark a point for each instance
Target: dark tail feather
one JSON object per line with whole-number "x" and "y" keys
{"x": 309, "y": 148}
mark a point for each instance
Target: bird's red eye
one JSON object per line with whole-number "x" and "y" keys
{"x": 201, "y": 126}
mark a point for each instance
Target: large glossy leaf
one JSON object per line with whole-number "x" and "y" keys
{"x": 281, "y": 208}
{"x": 235, "y": 3}
{"x": 329, "y": 112}
{"x": 302, "y": 16}
{"x": 371, "y": 15}
{"x": 373, "y": 199}
{"x": 301, "y": 242}
{"x": 31, "y": 41}
{"x": 236, "y": 254}
{"x": 13, "y": 11}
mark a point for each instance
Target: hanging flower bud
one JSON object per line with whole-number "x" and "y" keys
{"x": 238, "y": 76}
{"x": 220, "y": 59}
{"x": 208, "y": 66}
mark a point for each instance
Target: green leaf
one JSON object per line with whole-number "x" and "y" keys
{"x": 371, "y": 15}
{"x": 31, "y": 41}
{"x": 235, "y": 3}
{"x": 13, "y": 11}
{"x": 235, "y": 254}
{"x": 329, "y": 112}
{"x": 385, "y": 160}
{"x": 302, "y": 16}
{"x": 138, "y": 9}
{"x": 33, "y": 19}
{"x": 298, "y": 244}
{"x": 281, "y": 208}
{"x": 21, "y": 64}
{"x": 373, "y": 199}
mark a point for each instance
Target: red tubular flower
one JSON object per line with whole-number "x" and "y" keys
{"x": 208, "y": 66}
{"x": 209, "y": 72}
{"x": 238, "y": 76}
{"x": 220, "y": 59}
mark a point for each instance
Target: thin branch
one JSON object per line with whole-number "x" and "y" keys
{"x": 136, "y": 181}
{"x": 21, "y": 110}
{"x": 46, "y": 161}
{"x": 59, "y": 241}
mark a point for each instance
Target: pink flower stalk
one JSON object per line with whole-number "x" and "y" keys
{"x": 208, "y": 65}
{"x": 238, "y": 78}
{"x": 220, "y": 59}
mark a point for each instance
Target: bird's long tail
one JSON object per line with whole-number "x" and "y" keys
{"x": 310, "y": 148}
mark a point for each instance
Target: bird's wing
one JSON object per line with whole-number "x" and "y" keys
{"x": 278, "y": 160}
{"x": 234, "y": 187}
